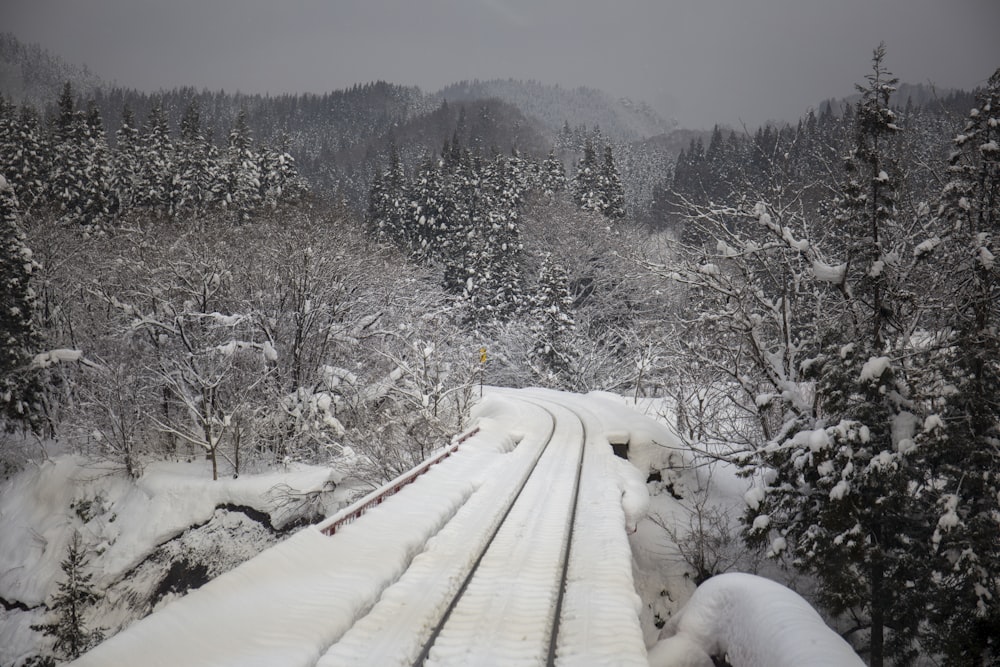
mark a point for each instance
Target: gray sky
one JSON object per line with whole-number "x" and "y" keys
{"x": 700, "y": 61}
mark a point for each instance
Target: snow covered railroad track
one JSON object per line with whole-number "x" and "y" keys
{"x": 408, "y": 617}
{"x": 492, "y": 527}
{"x": 508, "y": 609}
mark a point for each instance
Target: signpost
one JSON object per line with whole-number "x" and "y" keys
{"x": 482, "y": 369}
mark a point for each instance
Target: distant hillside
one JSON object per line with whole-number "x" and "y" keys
{"x": 485, "y": 126}
{"x": 619, "y": 119}
{"x": 31, "y": 75}
{"x": 918, "y": 95}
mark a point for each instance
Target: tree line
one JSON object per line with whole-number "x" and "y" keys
{"x": 67, "y": 165}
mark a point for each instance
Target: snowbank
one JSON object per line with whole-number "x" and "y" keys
{"x": 753, "y": 621}
{"x": 122, "y": 522}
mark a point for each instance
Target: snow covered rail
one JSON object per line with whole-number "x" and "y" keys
{"x": 354, "y": 511}
{"x": 404, "y": 624}
{"x": 508, "y": 608}
{"x": 374, "y": 594}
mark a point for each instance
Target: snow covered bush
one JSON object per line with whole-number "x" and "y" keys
{"x": 749, "y": 620}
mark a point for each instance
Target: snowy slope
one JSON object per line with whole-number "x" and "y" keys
{"x": 124, "y": 522}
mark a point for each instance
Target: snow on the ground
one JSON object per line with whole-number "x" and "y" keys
{"x": 371, "y": 593}
{"x": 291, "y": 602}
{"x": 505, "y": 615}
{"x": 753, "y": 621}
{"x": 600, "y": 621}
{"x": 395, "y": 629}
{"x": 119, "y": 519}
{"x": 121, "y": 522}
{"x": 377, "y": 583}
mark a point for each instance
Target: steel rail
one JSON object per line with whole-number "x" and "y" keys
{"x": 439, "y": 626}
{"x": 565, "y": 556}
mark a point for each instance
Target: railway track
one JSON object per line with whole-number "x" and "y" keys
{"x": 486, "y": 606}
{"x": 507, "y": 549}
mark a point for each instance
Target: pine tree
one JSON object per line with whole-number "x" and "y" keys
{"x": 97, "y": 166}
{"x": 472, "y": 200}
{"x": 19, "y": 339}
{"x": 76, "y": 594}
{"x": 279, "y": 178}
{"x": 70, "y": 160}
{"x": 597, "y": 186}
{"x": 840, "y": 496}
{"x": 428, "y": 227}
{"x": 586, "y": 184}
{"x": 126, "y": 163}
{"x": 31, "y": 164}
{"x": 552, "y": 322}
{"x": 503, "y": 241}
{"x": 959, "y": 449}
{"x": 553, "y": 175}
{"x": 239, "y": 189}
{"x": 156, "y": 191}
{"x": 612, "y": 190}
{"x": 193, "y": 170}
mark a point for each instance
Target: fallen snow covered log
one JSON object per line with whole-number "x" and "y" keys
{"x": 753, "y": 621}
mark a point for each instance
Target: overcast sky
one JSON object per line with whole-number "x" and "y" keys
{"x": 699, "y": 61}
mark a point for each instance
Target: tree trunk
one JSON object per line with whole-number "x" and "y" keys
{"x": 878, "y": 612}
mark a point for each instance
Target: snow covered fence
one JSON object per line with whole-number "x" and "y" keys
{"x": 354, "y": 511}
{"x": 753, "y": 621}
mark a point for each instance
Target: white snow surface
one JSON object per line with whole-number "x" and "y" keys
{"x": 754, "y": 621}
{"x": 371, "y": 593}
{"x": 828, "y": 273}
{"x": 122, "y": 520}
{"x": 873, "y": 369}
{"x": 166, "y": 500}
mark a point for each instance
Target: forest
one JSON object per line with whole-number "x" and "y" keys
{"x": 819, "y": 302}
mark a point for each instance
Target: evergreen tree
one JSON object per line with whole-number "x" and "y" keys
{"x": 597, "y": 186}
{"x": 279, "y": 178}
{"x": 22, "y": 152}
{"x": 612, "y": 191}
{"x": 552, "y": 322}
{"x": 429, "y": 225}
{"x": 97, "y": 169}
{"x": 239, "y": 189}
{"x": 959, "y": 450}
{"x": 389, "y": 203}
{"x": 70, "y": 160}
{"x": 126, "y": 161}
{"x": 76, "y": 594}
{"x": 503, "y": 242}
{"x": 490, "y": 245}
{"x": 553, "y": 175}
{"x": 157, "y": 192}
{"x": 472, "y": 200}
{"x": 193, "y": 170}
{"x": 586, "y": 184}
{"x": 19, "y": 339}
{"x": 840, "y": 495}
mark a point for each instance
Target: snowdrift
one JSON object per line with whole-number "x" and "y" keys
{"x": 753, "y": 621}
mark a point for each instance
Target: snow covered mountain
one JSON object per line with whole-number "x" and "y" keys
{"x": 620, "y": 119}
